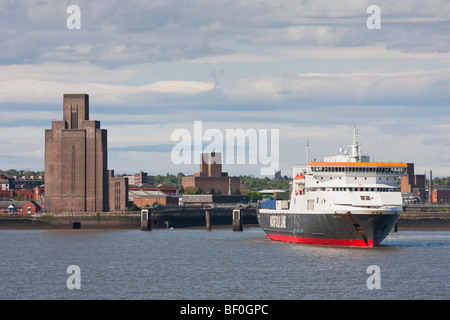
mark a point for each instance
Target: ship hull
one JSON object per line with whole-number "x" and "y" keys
{"x": 331, "y": 229}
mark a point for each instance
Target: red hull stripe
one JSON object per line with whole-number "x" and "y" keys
{"x": 321, "y": 241}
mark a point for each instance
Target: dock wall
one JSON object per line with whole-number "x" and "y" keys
{"x": 436, "y": 217}
{"x": 177, "y": 217}
{"x": 413, "y": 217}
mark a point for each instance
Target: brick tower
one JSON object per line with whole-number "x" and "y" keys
{"x": 76, "y": 174}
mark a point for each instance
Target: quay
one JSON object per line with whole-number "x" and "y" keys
{"x": 425, "y": 217}
{"x": 160, "y": 218}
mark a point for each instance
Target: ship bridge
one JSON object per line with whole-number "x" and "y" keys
{"x": 355, "y": 176}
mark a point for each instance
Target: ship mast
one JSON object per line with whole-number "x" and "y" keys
{"x": 355, "y": 146}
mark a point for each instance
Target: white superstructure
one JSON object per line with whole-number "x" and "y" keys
{"x": 347, "y": 182}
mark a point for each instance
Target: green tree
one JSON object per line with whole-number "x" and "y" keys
{"x": 19, "y": 197}
{"x": 180, "y": 176}
{"x": 190, "y": 190}
{"x": 134, "y": 207}
{"x": 254, "y": 196}
{"x": 443, "y": 182}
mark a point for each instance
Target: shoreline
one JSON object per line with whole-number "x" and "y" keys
{"x": 160, "y": 219}
{"x": 163, "y": 220}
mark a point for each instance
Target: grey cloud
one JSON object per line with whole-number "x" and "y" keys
{"x": 118, "y": 32}
{"x": 153, "y": 148}
{"x": 416, "y": 88}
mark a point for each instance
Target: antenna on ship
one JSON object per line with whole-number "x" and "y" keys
{"x": 307, "y": 151}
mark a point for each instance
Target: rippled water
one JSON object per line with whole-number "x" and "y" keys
{"x": 221, "y": 264}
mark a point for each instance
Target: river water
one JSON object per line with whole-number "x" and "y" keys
{"x": 219, "y": 264}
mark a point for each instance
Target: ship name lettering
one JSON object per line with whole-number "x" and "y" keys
{"x": 278, "y": 222}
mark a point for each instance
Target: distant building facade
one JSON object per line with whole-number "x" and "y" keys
{"x": 168, "y": 189}
{"x": 142, "y": 177}
{"x": 211, "y": 176}
{"x": 27, "y": 194}
{"x": 440, "y": 196}
{"x": 28, "y": 183}
{"x": 31, "y": 207}
{"x": 413, "y": 184}
{"x": 213, "y": 199}
{"x": 76, "y": 174}
{"x": 142, "y": 198}
{"x": 6, "y": 182}
{"x": 118, "y": 192}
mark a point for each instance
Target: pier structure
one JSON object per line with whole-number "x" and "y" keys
{"x": 237, "y": 220}
{"x": 146, "y": 218}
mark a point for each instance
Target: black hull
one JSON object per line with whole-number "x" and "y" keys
{"x": 344, "y": 229}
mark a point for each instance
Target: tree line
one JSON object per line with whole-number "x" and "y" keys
{"x": 249, "y": 183}
{"x": 22, "y": 173}
{"x": 441, "y": 183}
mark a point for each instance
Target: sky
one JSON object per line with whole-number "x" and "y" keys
{"x": 308, "y": 70}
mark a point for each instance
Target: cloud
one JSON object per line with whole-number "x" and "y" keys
{"x": 155, "y": 148}
{"x": 117, "y": 33}
{"x": 352, "y": 88}
{"x": 43, "y": 83}
{"x": 309, "y": 68}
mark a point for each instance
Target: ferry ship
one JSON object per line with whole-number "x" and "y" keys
{"x": 344, "y": 200}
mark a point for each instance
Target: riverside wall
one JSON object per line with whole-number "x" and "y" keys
{"x": 176, "y": 217}
{"x": 413, "y": 217}
{"x": 432, "y": 217}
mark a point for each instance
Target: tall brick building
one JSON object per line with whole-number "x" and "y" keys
{"x": 211, "y": 176}
{"x": 413, "y": 183}
{"x": 76, "y": 173}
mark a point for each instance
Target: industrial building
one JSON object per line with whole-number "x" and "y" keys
{"x": 141, "y": 198}
{"x": 211, "y": 176}
{"x": 77, "y": 177}
{"x": 413, "y": 185}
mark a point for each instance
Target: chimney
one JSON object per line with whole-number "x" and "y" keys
{"x": 430, "y": 187}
